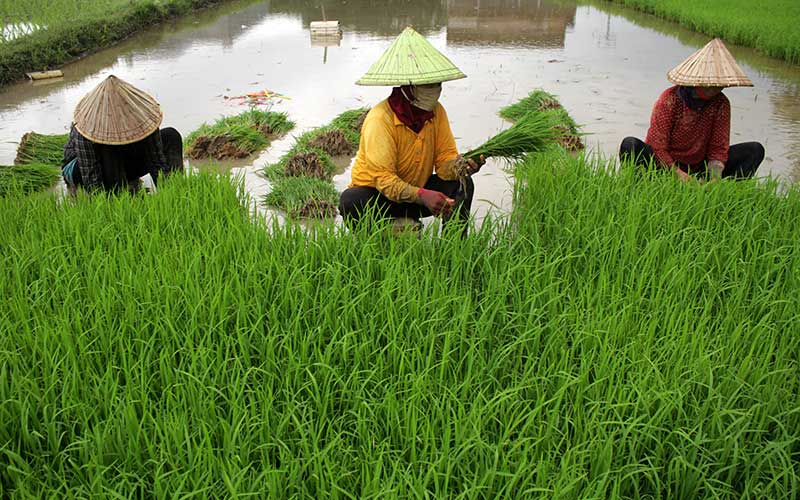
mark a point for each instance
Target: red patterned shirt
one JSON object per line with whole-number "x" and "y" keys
{"x": 679, "y": 134}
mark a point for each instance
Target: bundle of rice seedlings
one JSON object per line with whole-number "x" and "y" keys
{"x": 532, "y": 133}
{"x": 297, "y": 196}
{"x": 334, "y": 142}
{"x": 537, "y": 100}
{"x": 316, "y": 209}
{"x": 27, "y": 178}
{"x": 301, "y": 160}
{"x": 237, "y": 136}
{"x": 351, "y": 120}
{"x": 308, "y": 163}
{"x": 41, "y": 148}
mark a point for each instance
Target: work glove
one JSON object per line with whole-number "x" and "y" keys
{"x": 469, "y": 166}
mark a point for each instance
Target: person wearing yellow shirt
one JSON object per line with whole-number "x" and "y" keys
{"x": 407, "y": 165}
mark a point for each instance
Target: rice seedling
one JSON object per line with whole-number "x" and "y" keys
{"x": 531, "y": 133}
{"x": 351, "y": 120}
{"x": 27, "y": 178}
{"x": 334, "y": 142}
{"x": 40, "y": 148}
{"x": 539, "y": 101}
{"x": 615, "y": 339}
{"x": 237, "y": 136}
{"x": 772, "y": 30}
{"x": 309, "y": 164}
{"x": 303, "y": 197}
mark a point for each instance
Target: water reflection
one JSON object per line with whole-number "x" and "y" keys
{"x": 378, "y": 17}
{"x": 539, "y": 23}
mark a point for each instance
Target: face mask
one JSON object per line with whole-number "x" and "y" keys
{"x": 426, "y": 96}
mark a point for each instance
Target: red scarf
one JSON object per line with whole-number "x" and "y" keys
{"x": 410, "y": 115}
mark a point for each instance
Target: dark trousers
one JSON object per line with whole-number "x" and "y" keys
{"x": 356, "y": 201}
{"x": 124, "y": 165}
{"x": 743, "y": 159}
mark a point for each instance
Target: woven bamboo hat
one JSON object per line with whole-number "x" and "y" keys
{"x": 411, "y": 60}
{"x": 711, "y": 66}
{"x": 117, "y": 113}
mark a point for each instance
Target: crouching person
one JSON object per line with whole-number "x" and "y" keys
{"x": 407, "y": 165}
{"x": 115, "y": 140}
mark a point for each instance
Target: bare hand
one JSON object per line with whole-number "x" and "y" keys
{"x": 436, "y": 202}
{"x": 474, "y": 165}
{"x": 683, "y": 176}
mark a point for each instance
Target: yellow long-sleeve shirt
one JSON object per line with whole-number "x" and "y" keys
{"x": 396, "y": 160}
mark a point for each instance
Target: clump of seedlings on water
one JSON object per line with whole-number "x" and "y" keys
{"x": 37, "y": 166}
{"x": 541, "y": 102}
{"x": 41, "y": 148}
{"x": 302, "y": 178}
{"x": 237, "y": 137}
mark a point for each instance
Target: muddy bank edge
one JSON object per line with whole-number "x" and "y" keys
{"x": 56, "y": 46}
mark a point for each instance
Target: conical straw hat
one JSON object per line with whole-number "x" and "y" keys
{"x": 711, "y": 66}
{"x": 117, "y": 113}
{"x": 411, "y": 60}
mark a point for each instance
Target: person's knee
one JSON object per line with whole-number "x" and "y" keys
{"x": 353, "y": 201}
{"x": 758, "y": 153}
{"x": 628, "y": 146}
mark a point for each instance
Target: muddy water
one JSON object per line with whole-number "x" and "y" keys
{"x": 606, "y": 65}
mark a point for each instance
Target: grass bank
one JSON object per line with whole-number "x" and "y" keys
{"x": 770, "y": 28}
{"x": 52, "y": 33}
{"x": 616, "y": 339}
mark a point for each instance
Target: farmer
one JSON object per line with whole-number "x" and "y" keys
{"x": 115, "y": 140}
{"x": 407, "y": 165}
{"x": 691, "y": 122}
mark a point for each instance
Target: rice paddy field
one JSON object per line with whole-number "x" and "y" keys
{"x": 769, "y": 26}
{"x": 611, "y": 338}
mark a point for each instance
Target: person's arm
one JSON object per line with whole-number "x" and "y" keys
{"x": 380, "y": 154}
{"x": 445, "y": 151}
{"x": 89, "y": 166}
{"x": 719, "y": 144}
{"x": 660, "y": 132}
{"x": 155, "y": 161}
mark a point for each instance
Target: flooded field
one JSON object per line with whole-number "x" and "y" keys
{"x": 606, "y": 65}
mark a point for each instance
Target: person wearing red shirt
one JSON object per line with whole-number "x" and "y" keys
{"x": 690, "y": 124}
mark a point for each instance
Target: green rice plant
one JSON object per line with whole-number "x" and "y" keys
{"x": 237, "y": 136}
{"x": 616, "y": 338}
{"x": 772, "y": 30}
{"x": 40, "y": 148}
{"x": 532, "y": 133}
{"x": 303, "y": 197}
{"x": 539, "y": 101}
{"x": 317, "y": 164}
{"x": 351, "y": 120}
{"x": 299, "y": 175}
{"x": 27, "y": 178}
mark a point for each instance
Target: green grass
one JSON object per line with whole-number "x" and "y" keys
{"x": 244, "y": 134}
{"x": 769, "y": 26}
{"x": 64, "y": 30}
{"x": 616, "y": 339}
{"x": 27, "y": 178}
